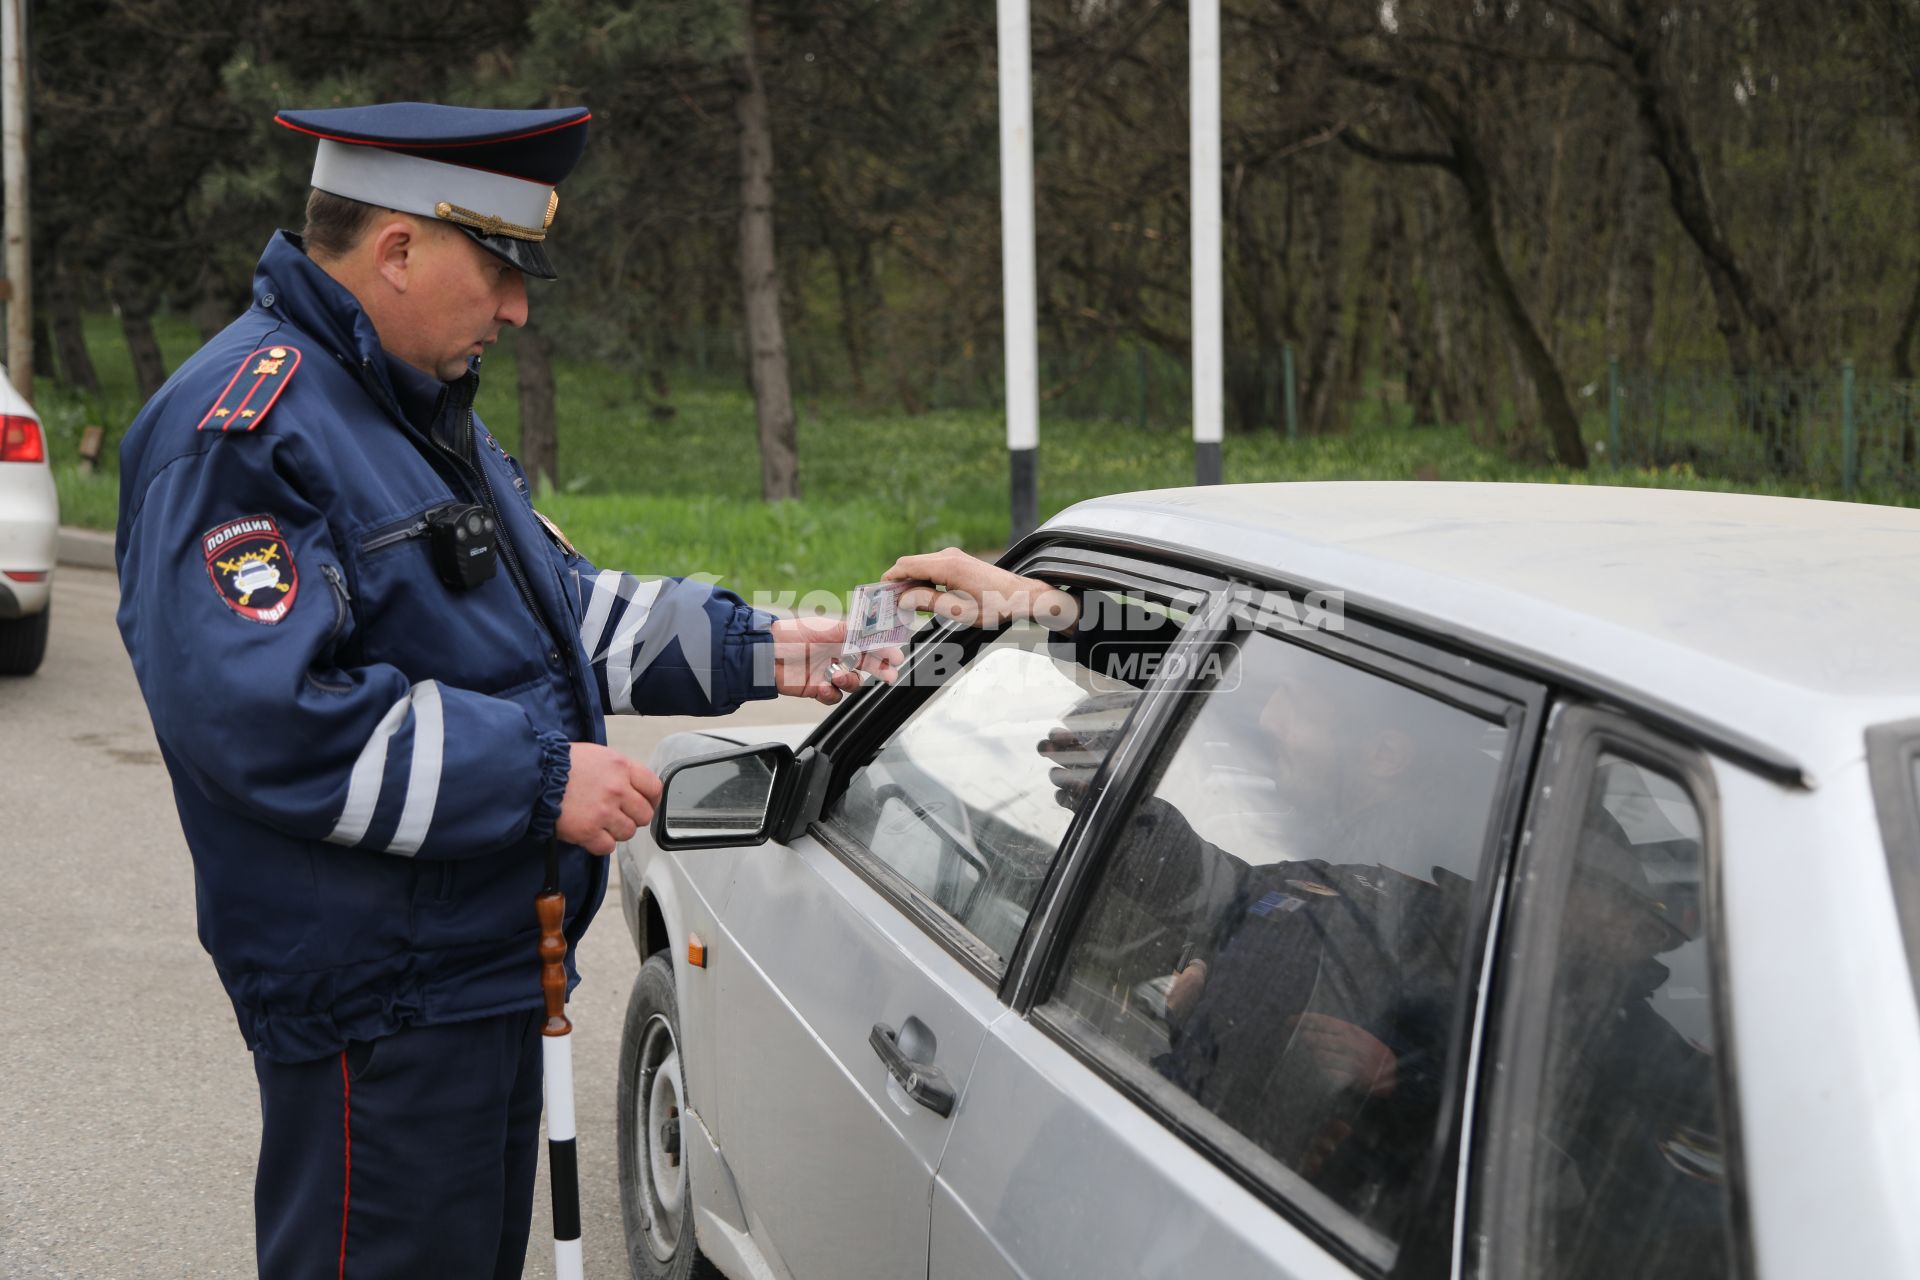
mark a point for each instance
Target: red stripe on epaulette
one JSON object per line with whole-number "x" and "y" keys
{"x": 255, "y": 385}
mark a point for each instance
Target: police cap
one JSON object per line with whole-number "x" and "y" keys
{"x": 490, "y": 173}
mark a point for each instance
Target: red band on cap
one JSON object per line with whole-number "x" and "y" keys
{"x": 428, "y": 146}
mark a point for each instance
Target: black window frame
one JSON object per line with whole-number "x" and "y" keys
{"x": 1427, "y": 1247}
{"x": 850, "y": 740}
{"x": 1893, "y": 771}
{"x": 1500, "y": 1187}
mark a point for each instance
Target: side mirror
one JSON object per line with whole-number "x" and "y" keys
{"x": 744, "y": 796}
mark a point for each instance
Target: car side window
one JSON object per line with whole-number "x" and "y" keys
{"x": 957, "y": 802}
{"x": 1893, "y": 769}
{"x": 1623, "y": 1151}
{"x": 1273, "y": 946}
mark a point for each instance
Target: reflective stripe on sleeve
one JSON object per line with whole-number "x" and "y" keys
{"x": 423, "y": 776}
{"x": 606, "y": 589}
{"x": 620, "y": 651}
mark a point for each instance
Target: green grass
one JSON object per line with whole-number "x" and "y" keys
{"x": 681, "y": 494}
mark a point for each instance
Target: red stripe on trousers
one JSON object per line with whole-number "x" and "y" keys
{"x": 346, "y": 1124}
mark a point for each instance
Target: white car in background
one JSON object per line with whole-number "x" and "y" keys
{"x": 29, "y": 526}
{"x": 1384, "y": 880}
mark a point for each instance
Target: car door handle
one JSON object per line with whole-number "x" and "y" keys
{"x": 925, "y": 1083}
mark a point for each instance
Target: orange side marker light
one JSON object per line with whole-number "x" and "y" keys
{"x": 696, "y": 951}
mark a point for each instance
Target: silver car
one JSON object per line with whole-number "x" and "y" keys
{"x": 1375, "y": 880}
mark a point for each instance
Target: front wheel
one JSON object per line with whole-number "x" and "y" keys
{"x": 655, "y": 1200}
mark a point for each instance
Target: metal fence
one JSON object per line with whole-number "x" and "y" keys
{"x": 1836, "y": 428}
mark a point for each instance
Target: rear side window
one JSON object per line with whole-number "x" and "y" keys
{"x": 1893, "y": 763}
{"x": 1615, "y": 1159}
{"x": 1628, "y": 1153}
{"x": 1274, "y": 944}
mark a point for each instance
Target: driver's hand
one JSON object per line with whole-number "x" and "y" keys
{"x": 968, "y": 590}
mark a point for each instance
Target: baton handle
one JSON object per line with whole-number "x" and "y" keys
{"x": 552, "y": 908}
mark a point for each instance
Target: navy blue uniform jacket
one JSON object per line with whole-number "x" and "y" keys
{"x": 367, "y": 762}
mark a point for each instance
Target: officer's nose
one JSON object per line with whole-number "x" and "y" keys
{"x": 512, "y": 308}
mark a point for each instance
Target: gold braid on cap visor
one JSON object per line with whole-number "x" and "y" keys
{"x": 491, "y": 224}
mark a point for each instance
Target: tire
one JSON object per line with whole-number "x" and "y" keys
{"x": 656, "y": 1202}
{"x": 23, "y": 643}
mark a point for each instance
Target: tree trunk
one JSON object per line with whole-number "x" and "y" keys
{"x": 70, "y": 336}
{"x": 1254, "y": 278}
{"x": 539, "y": 443}
{"x": 210, "y": 312}
{"x": 1737, "y": 303}
{"x": 1322, "y": 409}
{"x": 1640, "y": 230}
{"x": 1404, "y": 320}
{"x": 136, "y": 323}
{"x": 849, "y": 279}
{"x": 760, "y": 281}
{"x": 1909, "y": 327}
{"x": 43, "y": 338}
{"x": 1444, "y": 287}
{"x": 1536, "y": 361}
{"x": 1373, "y": 273}
{"x": 1553, "y": 255}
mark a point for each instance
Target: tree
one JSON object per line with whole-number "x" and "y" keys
{"x": 1399, "y": 85}
{"x": 760, "y": 278}
{"x": 1635, "y": 38}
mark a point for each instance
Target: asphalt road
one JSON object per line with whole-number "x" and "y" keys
{"x": 129, "y": 1116}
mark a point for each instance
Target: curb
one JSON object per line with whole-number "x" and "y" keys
{"x": 85, "y": 548}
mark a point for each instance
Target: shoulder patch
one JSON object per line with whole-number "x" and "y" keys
{"x": 255, "y": 385}
{"x": 252, "y": 568}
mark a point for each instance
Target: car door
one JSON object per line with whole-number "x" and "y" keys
{"x": 864, "y": 960}
{"x": 1243, "y": 1029}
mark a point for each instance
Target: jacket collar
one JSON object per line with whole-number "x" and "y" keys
{"x": 288, "y": 283}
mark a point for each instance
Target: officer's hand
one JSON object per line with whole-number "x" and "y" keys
{"x": 1185, "y": 990}
{"x": 1076, "y": 748}
{"x": 805, "y": 648}
{"x": 608, "y": 798}
{"x": 1349, "y": 1056}
{"x": 974, "y": 593}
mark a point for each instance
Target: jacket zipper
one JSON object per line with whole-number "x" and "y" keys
{"x": 381, "y": 542}
{"x": 484, "y": 490}
{"x": 341, "y": 596}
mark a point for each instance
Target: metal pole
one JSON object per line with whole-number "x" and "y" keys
{"x": 1849, "y": 432}
{"x": 1613, "y": 411}
{"x": 556, "y": 1060}
{"x": 13, "y": 149}
{"x": 1018, "y": 282}
{"x": 1293, "y": 402}
{"x": 1209, "y": 355}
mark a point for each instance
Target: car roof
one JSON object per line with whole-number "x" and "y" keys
{"x": 1785, "y": 624}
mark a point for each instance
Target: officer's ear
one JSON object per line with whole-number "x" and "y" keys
{"x": 392, "y": 245}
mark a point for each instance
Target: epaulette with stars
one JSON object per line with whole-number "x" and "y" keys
{"x": 255, "y": 385}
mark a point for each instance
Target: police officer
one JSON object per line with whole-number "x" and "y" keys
{"x": 378, "y": 679}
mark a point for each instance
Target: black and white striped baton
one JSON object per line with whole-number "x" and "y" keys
{"x": 556, "y": 1053}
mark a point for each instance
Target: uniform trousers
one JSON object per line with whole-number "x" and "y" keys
{"x": 408, "y": 1156}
